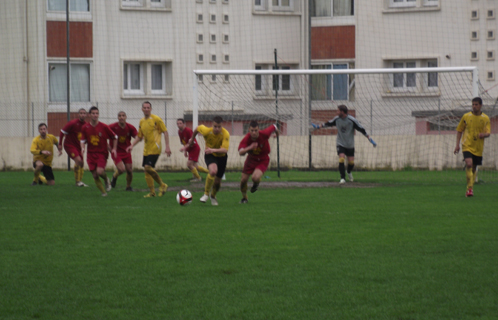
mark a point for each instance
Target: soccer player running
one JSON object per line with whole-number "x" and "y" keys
{"x": 72, "y": 134}
{"x": 96, "y": 134}
{"x": 150, "y": 129}
{"x": 474, "y": 127}
{"x": 123, "y": 161}
{"x": 346, "y": 125}
{"x": 42, "y": 149}
{"x": 217, "y": 142}
{"x": 255, "y": 145}
{"x": 185, "y": 133}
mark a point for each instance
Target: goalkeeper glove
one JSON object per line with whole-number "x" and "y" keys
{"x": 372, "y": 142}
{"x": 315, "y": 126}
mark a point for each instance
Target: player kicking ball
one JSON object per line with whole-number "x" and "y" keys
{"x": 255, "y": 144}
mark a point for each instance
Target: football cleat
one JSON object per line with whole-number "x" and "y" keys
{"x": 469, "y": 193}
{"x": 350, "y": 175}
{"x": 81, "y": 184}
{"x": 113, "y": 182}
{"x": 342, "y": 181}
{"x": 244, "y": 200}
{"x": 104, "y": 194}
{"x": 162, "y": 189}
{"x": 129, "y": 189}
{"x": 254, "y": 187}
{"x": 204, "y": 198}
{"x": 150, "y": 195}
{"x": 214, "y": 202}
{"x": 196, "y": 180}
{"x": 34, "y": 183}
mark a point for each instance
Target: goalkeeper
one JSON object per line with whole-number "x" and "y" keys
{"x": 346, "y": 125}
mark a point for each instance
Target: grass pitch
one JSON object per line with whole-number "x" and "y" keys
{"x": 391, "y": 251}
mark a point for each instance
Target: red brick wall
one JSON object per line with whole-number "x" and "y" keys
{"x": 81, "y": 39}
{"x": 333, "y": 42}
{"x": 57, "y": 120}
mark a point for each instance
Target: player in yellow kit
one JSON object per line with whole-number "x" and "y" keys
{"x": 215, "y": 155}
{"x": 150, "y": 129}
{"x": 42, "y": 149}
{"x": 473, "y": 128}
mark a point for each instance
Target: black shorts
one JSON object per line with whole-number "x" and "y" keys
{"x": 476, "y": 161}
{"x": 150, "y": 160}
{"x": 47, "y": 172}
{"x": 221, "y": 162}
{"x": 346, "y": 151}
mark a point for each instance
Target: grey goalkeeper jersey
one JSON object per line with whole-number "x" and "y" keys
{"x": 345, "y": 130}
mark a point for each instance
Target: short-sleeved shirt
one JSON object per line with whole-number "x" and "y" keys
{"x": 263, "y": 149}
{"x": 124, "y": 135}
{"x": 471, "y": 125}
{"x": 39, "y": 144}
{"x": 345, "y": 130}
{"x": 185, "y": 136}
{"x": 150, "y": 130}
{"x": 72, "y": 130}
{"x": 215, "y": 141}
{"x": 96, "y": 137}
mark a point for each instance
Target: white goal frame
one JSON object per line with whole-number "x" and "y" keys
{"x": 195, "y": 109}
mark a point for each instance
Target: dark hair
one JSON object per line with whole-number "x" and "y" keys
{"x": 150, "y": 104}
{"x": 41, "y": 125}
{"x": 82, "y": 109}
{"x": 253, "y": 124}
{"x": 181, "y": 119}
{"x": 343, "y": 108}
{"x": 478, "y": 100}
{"x": 218, "y": 119}
{"x": 93, "y": 108}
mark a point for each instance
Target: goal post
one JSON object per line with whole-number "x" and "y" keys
{"x": 412, "y": 113}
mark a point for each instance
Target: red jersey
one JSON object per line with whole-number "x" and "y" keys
{"x": 185, "y": 136}
{"x": 96, "y": 137}
{"x": 72, "y": 130}
{"x": 263, "y": 149}
{"x": 124, "y": 135}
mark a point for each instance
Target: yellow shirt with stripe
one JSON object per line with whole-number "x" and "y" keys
{"x": 39, "y": 144}
{"x": 471, "y": 125}
{"x": 151, "y": 131}
{"x": 215, "y": 141}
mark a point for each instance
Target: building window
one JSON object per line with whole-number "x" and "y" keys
{"x": 226, "y": 58}
{"x": 404, "y": 80}
{"x": 213, "y": 38}
{"x": 490, "y": 75}
{"x": 212, "y": 18}
{"x": 80, "y": 82}
{"x": 213, "y": 78}
{"x": 259, "y": 5}
{"x": 491, "y": 55}
{"x": 74, "y": 5}
{"x": 419, "y": 83}
{"x": 491, "y": 35}
{"x": 225, "y": 18}
{"x": 474, "y": 35}
{"x": 282, "y": 5}
{"x": 331, "y": 86}
{"x": 213, "y": 58}
{"x": 267, "y": 84}
{"x": 200, "y": 58}
{"x": 432, "y": 77}
{"x": 430, "y": 3}
{"x": 402, "y": 3}
{"x": 226, "y": 78}
{"x": 491, "y": 14}
{"x": 147, "y": 4}
{"x": 149, "y": 78}
{"x": 200, "y": 18}
{"x": 474, "y": 14}
{"x": 200, "y": 38}
{"x": 226, "y": 38}
{"x": 474, "y": 56}
{"x": 334, "y": 8}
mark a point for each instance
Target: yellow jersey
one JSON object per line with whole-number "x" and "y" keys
{"x": 471, "y": 125}
{"x": 215, "y": 141}
{"x": 39, "y": 144}
{"x": 151, "y": 130}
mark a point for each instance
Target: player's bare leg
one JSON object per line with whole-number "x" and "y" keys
{"x": 216, "y": 188}
{"x": 243, "y": 187}
{"x": 38, "y": 178}
{"x": 256, "y": 179}
{"x": 120, "y": 168}
{"x": 469, "y": 172}
{"x": 129, "y": 176}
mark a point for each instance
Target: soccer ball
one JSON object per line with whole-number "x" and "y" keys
{"x": 184, "y": 197}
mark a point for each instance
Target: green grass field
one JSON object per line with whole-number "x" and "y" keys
{"x": 395, "y": 250}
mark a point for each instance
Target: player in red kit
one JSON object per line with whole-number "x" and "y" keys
{"x": 96, "y": 134}
{"x": 72, "y": 134}
{"x": 255, "y": 144}
{"x": 123, "y": 161}
{"x": 185, "y": 133}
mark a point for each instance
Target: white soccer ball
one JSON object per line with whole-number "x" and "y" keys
{"x": 184, "y": 197}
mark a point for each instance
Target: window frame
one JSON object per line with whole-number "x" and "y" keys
{"x": 266, "y": 81}
{"x": 281, "y": 8}
{"x": 146, "y": 5}
{"x": 403, "y": 4}
{"x": 51, "y": 63}
{"x": 332, "y": 11}
{"x": 146, "y": 80}
{"x": 330, "y": 79}
{"x": 71, "y": 11}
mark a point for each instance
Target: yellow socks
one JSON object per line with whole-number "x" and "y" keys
{"x": 43, "y": 179}
{"x": 202, "y": 169}
{"x": 100, "y": 186}
{"x": 209, "y": 184}
{"x": 150, "y": 182}
{"x": 76, "y": 173}
{"x": 195, "y": 173}
{"x": 243, "y": 189}
{"x": 470, "y": 178}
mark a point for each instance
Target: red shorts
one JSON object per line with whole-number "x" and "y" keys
{"x": 252, "y": 164}
{"x": 73, "y": 151}
{"x": 122, "y": 156}
{"x": 96, "y": 160}
{"x": 193, "y": 153}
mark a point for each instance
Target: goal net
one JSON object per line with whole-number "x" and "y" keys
{"x": 411, "y": 113}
